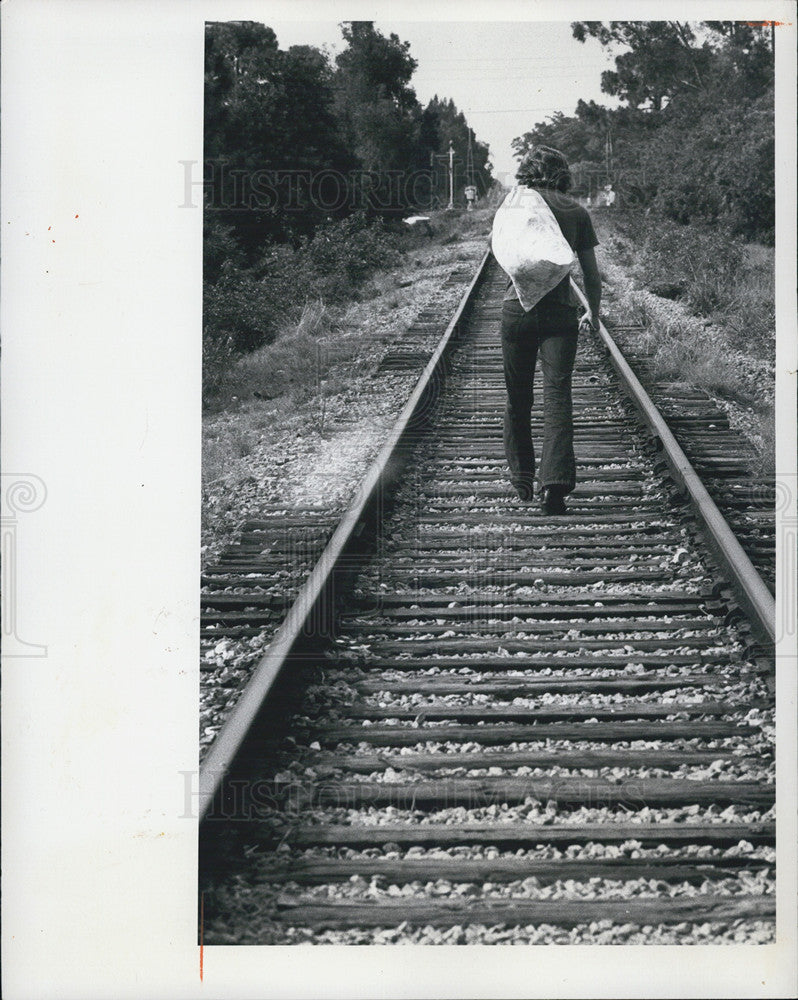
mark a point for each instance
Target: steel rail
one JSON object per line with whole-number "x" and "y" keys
{"x": 750, "y": 590}
{"x": 312, "y": 602}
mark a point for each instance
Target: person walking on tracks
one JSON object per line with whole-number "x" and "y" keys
{"x": 549, "y": 329}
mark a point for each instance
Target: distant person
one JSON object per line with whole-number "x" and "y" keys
{"x": 550, "y": 329}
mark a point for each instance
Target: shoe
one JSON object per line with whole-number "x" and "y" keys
{"x": 524, "y": 490}
{"x": 553, "y": 499}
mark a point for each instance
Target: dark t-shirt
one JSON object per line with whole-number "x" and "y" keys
{"x": 578, "y": 230}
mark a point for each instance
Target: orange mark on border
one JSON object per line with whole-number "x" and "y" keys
{"x": 765, "y": 24}
{"x": 202, "y": 929}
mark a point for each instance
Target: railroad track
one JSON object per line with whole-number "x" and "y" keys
{"x": 478, "y": 723}
{"x": 725, "y": 460}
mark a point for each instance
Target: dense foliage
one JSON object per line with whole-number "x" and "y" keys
{"x": 307, "y": 161}
{"x": 693, "y": 138}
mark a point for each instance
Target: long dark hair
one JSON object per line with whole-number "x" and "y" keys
{"x": 544, "y": 167}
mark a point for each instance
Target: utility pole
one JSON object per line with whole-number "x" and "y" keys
{"x": 471, "y": 188}
{"x": 470, "y": 162}
{"x": 451, "y": 177}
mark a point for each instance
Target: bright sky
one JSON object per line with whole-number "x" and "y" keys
{"x": 504, "y": 76}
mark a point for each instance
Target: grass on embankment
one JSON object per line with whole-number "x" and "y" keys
{"x": 706, "y": 307}
{"x": 317, "y": 371}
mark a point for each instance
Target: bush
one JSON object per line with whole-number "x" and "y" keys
{"x": 751, "y": 324}
{"x": 341, "y": 255}
{"x": 713, "y": 272}
{"x": 245, "y": 309}
{"x": 699, "y": 264}
{"x": 251, "y": 305}
{"x": 297, "y": 364}
{"x": 712, "y": 161}
{"x": 219, "y": 247}
{"x": 218, "y": 357}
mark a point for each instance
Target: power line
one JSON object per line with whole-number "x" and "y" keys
{"x": 502, "y": 59}
{"x": 531, "y": 75}
{"x": 502, "y": 111}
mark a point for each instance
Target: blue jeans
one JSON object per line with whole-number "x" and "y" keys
{"x": 551, "y": 330}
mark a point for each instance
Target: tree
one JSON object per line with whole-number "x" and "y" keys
{"x": 714, "y": 162}
{"x": 744, "y": 58}
{"x": 665, "y": 58}
{"x": 578, "y": 137}
{"x": 450, "y": 126}
{"x": 291, "y": 139}
{"x": 378, "y": 111}
{"x": 375, "y": 67}
{"x": 695, "y": 136}
{"x": 662, "y": 60}
{"x": 601, "y": 145}
{"x": 267, "y": 110}
{"x": 240, "y": 58}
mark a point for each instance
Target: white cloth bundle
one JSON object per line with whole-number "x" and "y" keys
{"x": 529, "y": 245}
